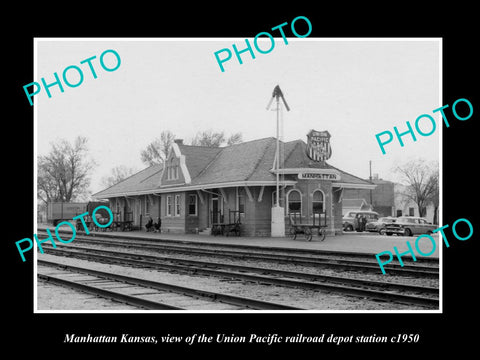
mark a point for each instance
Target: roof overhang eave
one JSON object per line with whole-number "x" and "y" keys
{"x": 354, "y": 186}
{"x": 125, "y": 194}
{"x": 173, "y": 188}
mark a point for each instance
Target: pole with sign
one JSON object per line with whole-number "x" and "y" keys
{"x": 278, "y": 218}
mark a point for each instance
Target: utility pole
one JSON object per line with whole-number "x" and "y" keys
{"x": 371, "y": 197}
{"x": 278, "y": 219}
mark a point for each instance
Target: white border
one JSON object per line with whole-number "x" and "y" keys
{"x": 440, "y": 310}
{"x": 35, "y": 176}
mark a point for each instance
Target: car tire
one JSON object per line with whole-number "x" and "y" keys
{"x": 382, "y": 231}
{"x": 349, "y": 228}
{"x": 408, "y": 232}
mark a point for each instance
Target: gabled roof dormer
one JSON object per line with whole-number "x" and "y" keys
{"x": 175, "y": 170}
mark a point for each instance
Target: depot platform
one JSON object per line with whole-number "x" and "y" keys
{"x": 358, "y": 242}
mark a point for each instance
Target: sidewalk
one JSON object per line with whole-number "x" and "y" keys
{"x": 370, "y": 243}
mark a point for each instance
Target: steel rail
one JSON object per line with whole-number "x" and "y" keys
{"x": 122, "y": 238}
{"x": 346, "y": 290}
{"x": 417, "y": 270}
{"x": 243, "y": 268}
{"x": 109, "y": 294}
{"x": 212, "y": 296}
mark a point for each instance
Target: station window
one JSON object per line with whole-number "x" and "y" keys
{"x": 192, "y": 204}
{"x": 294, "y": 202}
{"x": 241, "y": 201}
{"x": 177, "y": 205}
{"x": 317, "y": 202}
{"x": 147, "y": 205}
{"x": 169, "y": 205}
{"x": 172, "y": 169}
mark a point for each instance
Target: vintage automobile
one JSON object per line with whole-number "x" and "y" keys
{"x": 380, "y": 225}
{"x": 409, "y": 226}
{"x": 350, "y": 219}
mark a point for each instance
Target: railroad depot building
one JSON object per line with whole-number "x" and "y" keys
{"x": 197, "y": 186}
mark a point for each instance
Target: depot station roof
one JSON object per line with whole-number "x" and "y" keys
{"x": 250, "y": 163}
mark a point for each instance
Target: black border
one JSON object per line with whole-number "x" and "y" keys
{"x": 45, "y": 332}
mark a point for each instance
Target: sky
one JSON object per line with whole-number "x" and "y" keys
{"x": 354, "y": 88}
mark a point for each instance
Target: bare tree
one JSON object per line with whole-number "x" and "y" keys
{"x": 235, "y": 139}
{"x": 435, "y": 195}
{"x": 117, "y": 174}
{"x": 208, "y": 138}
{"x": 63, "y": 174}
{"x": 421, "y": 180}
{"x": 215, "y": 139}
{"x": 156, "y": 152}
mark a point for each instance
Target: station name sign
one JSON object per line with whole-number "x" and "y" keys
{"x": 318, "y": 176}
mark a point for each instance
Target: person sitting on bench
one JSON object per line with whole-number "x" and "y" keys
{"x": 149, "y": 224}
{"x": 157, "y": 225}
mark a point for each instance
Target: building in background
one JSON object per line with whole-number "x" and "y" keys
{"x": 407, "y": 207}
{"x": 380, "y": 199}
{"x": 355, "y": 205}
{"x": 387, "y": 199}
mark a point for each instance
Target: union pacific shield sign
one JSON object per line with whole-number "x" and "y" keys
{"x": 318, "y": 145}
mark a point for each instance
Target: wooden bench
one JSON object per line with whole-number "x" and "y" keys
{"x": 220, "y": 227}
{"x": 125, "y": 224}
{"x": 234, "y": 223}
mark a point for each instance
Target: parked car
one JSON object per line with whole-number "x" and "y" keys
{"x": 350, "y": 219}
{"x": 380, "y": 225}
{"x": 410, "y": 225}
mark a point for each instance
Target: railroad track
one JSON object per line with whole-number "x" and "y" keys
{"x": 318, "y": 258}
{"x": 106, "y": 236}
{"x": 394, "y": 292}
{"x": 146, "y": 294}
